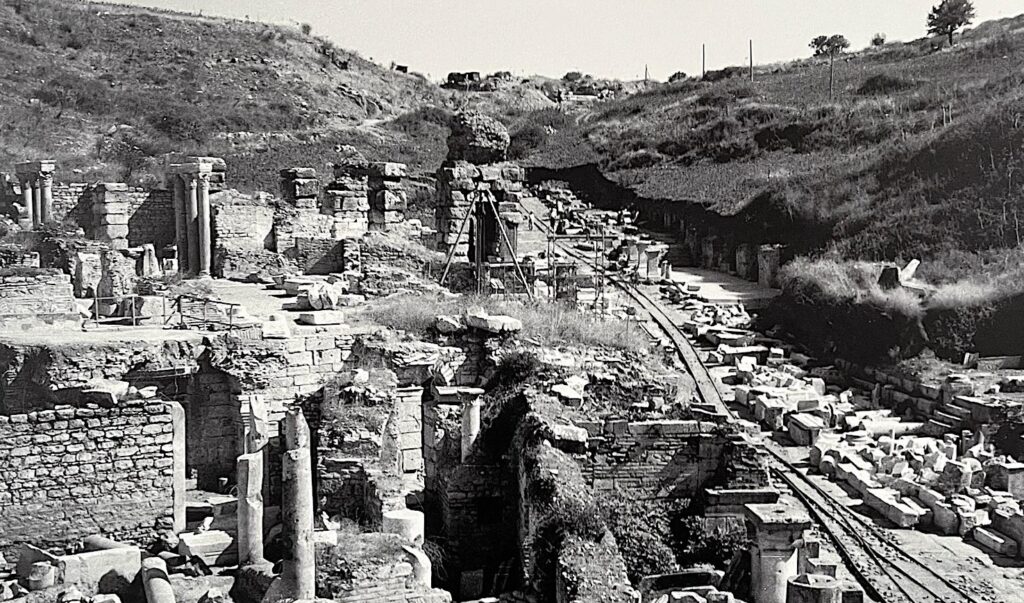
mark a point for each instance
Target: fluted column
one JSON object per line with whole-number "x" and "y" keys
{"x": 45, "y": 197}
{"x": 28, "y": 221}
{"x": 205, "y": 243}
{"x": 180, "y": 224}
{"x": 192, "y": 215}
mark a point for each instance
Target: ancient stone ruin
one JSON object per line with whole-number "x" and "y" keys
{"x": 291, "y": 396}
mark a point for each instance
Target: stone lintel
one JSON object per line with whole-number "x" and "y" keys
{"x": 112, "y": 187}
{"x": 44, "y": 166}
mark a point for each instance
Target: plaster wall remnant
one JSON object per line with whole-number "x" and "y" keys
{"x": 36, "y": 178}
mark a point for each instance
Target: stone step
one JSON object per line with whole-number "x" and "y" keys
{"x": 995, "y": 541}
{"x": 946, "y": 418}
{"x": 935, "y": 427}
{"x": 964, "y": 414}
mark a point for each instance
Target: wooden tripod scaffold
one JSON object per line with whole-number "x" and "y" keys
{"x": 484, "y": 200}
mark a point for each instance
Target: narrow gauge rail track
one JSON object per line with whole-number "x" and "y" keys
{"x": 887, "y": 572}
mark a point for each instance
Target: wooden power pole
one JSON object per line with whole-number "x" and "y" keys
{"x": 703, "y": 63}
{"x": 751, "y": 61}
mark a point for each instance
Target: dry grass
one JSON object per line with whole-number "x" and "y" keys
{"x": 549, "y": 324}
{"x": 832, "y": 280}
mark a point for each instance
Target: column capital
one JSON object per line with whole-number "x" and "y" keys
{"x": 203, "y": 178}
{"x": 46, "y": 178}
{"x": 189, "y": 180}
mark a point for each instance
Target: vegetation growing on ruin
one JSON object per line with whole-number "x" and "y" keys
{"x": 357, "y": 556}
{"x": 548, "y": 324}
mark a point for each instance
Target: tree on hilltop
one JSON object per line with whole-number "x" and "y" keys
{"x": 830, "y": 46}
{"x": 949, "y": 16}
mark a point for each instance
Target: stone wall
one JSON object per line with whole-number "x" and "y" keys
{"x": 72, "y": 202}
{"x": 36, "y": 298}
{"x": 243, "y": 234}
{"x": 242, "y": 224}
{"x": 668, "y": 459}
{"x": 291, "y": 223}
{"x": 71, "y": 472}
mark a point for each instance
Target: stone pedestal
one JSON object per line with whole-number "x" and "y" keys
{"x": 777, "y": 528}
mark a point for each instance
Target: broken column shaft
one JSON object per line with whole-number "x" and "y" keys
{"x": 250, "y": 508}
{"x": 470, "y": 423}
{"x": 299, "y": 573}
{"x": 155, "y": 582}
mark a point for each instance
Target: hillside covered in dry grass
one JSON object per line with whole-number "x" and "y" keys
{"x": 920, "y": 153}
{"x": 104, "y": 88}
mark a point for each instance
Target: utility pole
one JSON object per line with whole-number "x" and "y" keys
{"x": 646, "y": 73}
{"x": 751, "y": 61}
{"x": 703, "y": 61}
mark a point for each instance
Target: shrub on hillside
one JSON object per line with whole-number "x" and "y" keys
{"x": 884, "y": 83}
{"x": 696, "y": 542}
{"x": 723, "y": 74}
{"x": 641, "y": 529}
{"x": 641, "y": 158}
{"x": 526, "y": 139}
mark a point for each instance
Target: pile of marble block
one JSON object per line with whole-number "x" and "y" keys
{"x": 931, "y": 483}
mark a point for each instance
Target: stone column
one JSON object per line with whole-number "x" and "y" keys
{"x": 192, "y": 215}
{"x": 250, "y": 508}
{"x": 773, "y": 560}
{"x": 45, "y": 197}
{"x": 26, "y": 201}
{"x": 37, "y": 202}
{"x": 155, "y": 582}
{"x": 470, "y": 424}
{"x": 299, "y": 573}
{"x": 205, "y": 243}
{"x": 178, "y": 484}
{"x": 180, "y": 223}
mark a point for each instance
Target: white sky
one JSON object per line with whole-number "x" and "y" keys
{"x": 606, "y": 38}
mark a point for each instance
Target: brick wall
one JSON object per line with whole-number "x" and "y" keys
{"x": 667, "y": 459}
{"x": 71, "y": 472}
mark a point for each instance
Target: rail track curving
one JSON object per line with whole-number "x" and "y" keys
{"x": 886, "y": 571}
